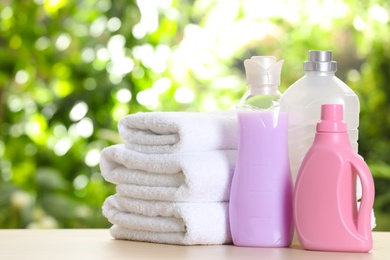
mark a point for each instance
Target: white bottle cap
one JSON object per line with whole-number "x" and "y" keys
{"x": 263, "y": 70}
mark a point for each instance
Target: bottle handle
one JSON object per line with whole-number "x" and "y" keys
{"x": 368, "y": 195}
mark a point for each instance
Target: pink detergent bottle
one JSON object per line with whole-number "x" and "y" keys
{"x": 260, "y": 207}
{"x": 325, "y": 211}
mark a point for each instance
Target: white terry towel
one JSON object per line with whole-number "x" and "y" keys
{"x": 172, "y": 132}
{"x": 195, "y": 177}
{"x": 179, "y": 223}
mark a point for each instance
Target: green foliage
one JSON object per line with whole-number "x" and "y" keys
{"x": 70, "y": 70}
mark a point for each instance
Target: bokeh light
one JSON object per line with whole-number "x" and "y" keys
{"x": 70, "y": 70}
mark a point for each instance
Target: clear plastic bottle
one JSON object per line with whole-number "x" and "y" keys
{"x": 303, "y": 100}
{"x": 325, "y": 211}
{"x": 260, "y": 205}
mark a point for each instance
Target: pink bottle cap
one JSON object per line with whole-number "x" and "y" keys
{"x": 332, "y": 119}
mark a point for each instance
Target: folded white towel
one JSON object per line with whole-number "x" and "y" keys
{"x": 196, "y": 177}
{"x": 172, "y": 132}
{"x": 180, "y": 223}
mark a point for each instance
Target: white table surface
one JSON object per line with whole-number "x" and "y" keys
{"x": 98, "y": 244}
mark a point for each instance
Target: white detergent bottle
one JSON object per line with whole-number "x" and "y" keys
{"x": 303, "y": 100}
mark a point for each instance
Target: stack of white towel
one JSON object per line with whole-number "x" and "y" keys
{"x": 172, "y": 176}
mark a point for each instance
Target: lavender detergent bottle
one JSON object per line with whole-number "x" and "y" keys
{"x": 260, "y": 208}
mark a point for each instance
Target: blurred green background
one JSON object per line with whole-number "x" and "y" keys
{"x": 69, "y": 70}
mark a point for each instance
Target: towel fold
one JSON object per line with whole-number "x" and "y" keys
{"x": 179, "y": 223}
{"x": 196, "y": 177}
{"x": 172, "y": 132}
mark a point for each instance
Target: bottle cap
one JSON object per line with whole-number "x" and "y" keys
{"x": 320, "y": 61}
{"x": 263, "y": 70}
{"x": 332, "y": 119}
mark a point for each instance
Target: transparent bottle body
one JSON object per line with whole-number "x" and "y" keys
{"x": 260, "y": 205}
{"x": 303, "y": 101}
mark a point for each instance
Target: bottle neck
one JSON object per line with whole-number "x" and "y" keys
{"x": 320, "y": 73}
{"x": 263, "y": 90}
{"x": 332, "y": 138}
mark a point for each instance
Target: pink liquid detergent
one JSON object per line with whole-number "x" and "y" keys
{"x": 261, "y": 192}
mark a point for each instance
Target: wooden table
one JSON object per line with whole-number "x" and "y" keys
{"x": 97, "y": 244}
